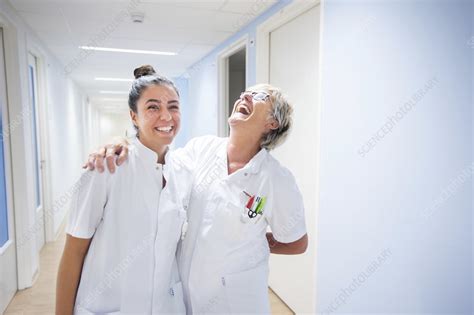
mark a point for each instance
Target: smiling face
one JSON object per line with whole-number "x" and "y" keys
{"x": 253, "y": 111}
{"x": 158, "y": 116}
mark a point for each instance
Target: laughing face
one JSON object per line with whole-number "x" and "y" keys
{"x": 253, "y": 112}
{"x": 158, "y": 116}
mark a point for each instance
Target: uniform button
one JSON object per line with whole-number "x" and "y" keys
{"x": 245, "y": 174}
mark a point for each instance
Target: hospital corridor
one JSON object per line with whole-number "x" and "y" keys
{"x": 310, "y": 156}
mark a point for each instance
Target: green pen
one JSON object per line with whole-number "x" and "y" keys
{"x": 260, "y": 205}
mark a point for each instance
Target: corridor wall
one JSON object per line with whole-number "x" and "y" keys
{"x": 395, "y": 217}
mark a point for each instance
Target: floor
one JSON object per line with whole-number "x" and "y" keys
{"x": 40, "y": 298}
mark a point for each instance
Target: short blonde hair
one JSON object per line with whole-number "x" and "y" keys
{"x": 282, "y": 112}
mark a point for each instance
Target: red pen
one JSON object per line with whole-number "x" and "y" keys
{"x": 250, "y": 202}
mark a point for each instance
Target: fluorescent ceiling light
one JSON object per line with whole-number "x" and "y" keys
{"x": 113, "y": 92}
{"x": 114, "y": 79}
{"x": 132, "y": 51}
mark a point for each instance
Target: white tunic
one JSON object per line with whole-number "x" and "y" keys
{"x": 223, "y": 260}
{"x": 135, "y": 227}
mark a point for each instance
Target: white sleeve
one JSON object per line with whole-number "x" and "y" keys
{"x": 87, "y": 204}
{"x": 193, "y": 150}
{"x": 287, "y": 218}
{"x": 184, "y": 157}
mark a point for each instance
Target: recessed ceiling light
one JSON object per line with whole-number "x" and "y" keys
{"x": 132, "y": 51}
{"x": 114, "y": 79}
{"x": 113, "y": 92}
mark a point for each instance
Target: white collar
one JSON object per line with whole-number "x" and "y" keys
{"x": 149, "y": 156}
{"x": 255, "y": 163}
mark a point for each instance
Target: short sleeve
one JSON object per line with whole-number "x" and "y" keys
{"x": 87, "y": 204}
{"x": 287, "y": 218}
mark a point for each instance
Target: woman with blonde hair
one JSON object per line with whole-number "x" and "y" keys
{"x": 239, "y": 190}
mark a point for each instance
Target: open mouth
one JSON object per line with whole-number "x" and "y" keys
{"x": 243, "y": 109}
{"x": 166, "y": 129}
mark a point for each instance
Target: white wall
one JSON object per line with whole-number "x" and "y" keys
{"x": 64, "y": 100}
{"x": 395, "y": 227}
{"x": 92, "y": 123}
{"x": 112, "y": 125}
{"x": 203, "y": 101}
{"x": 67, "y": 128}
{"x": 186, "y": 115}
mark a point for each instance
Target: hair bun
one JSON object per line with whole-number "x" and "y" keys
{"x": 143, "y": 70}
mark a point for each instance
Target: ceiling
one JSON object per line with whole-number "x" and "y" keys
{"x": 189, "y": 28}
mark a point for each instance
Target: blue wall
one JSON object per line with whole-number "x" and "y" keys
{"x": 395, "y": 218}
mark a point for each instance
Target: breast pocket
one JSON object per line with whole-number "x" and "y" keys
{"x": 238, "y": 224}
{"x": 242, "y": 224}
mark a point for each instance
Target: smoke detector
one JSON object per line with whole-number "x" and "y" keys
{"x": 137, "y": 17}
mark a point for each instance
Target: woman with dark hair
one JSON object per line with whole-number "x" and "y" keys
{"x": 123, "y": 229}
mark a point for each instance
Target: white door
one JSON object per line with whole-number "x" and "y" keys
{"x": 8, "y": 276}
{"x": 293, "y": 66}
{"x": 37, "y": 151}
